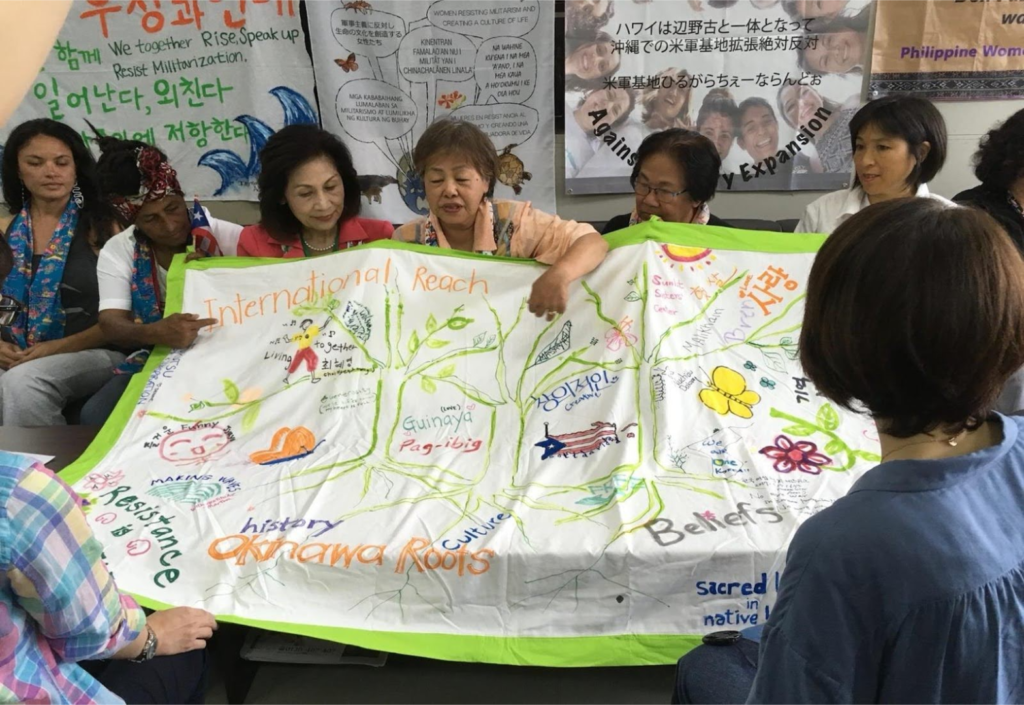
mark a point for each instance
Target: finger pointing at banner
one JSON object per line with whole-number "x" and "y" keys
{"x": 27, "y": 31}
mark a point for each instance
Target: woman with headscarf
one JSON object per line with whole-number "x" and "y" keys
{"x": 132, "y": 271}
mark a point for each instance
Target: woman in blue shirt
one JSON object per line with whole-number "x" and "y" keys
{"x": 910, "y": 588}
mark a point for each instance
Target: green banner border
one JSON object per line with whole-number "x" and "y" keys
{"x": 566, "y": 651}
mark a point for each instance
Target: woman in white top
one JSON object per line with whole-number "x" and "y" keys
{"x": 143, "y": 188}
{"x": 899, "y": 145}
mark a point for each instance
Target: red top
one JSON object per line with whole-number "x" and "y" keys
{"x": 255, "y": 241}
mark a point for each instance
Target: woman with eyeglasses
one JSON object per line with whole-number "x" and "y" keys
{"x": 675, "y": 178}
{"x": 53, "y": 352}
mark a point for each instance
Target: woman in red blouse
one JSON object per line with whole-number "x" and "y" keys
{"x": 309, "y": 198}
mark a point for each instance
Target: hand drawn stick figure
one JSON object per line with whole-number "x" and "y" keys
{"x": 305, "y": 353}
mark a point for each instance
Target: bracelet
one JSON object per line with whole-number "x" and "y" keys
{"x": 149, "y": 649}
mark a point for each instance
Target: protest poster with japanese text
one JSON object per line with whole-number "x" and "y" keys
{"x": 206, "y": 81}
{"x": 949, "y": 50}
{"x": 772, "y": 83}
{"x": 386, "y": 70}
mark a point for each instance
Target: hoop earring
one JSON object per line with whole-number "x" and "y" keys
{"x": 77, "y": 196}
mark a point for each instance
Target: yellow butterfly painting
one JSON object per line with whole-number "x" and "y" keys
{"x": 728, "y": 393}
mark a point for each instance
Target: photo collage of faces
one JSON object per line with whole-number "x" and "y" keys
{"x": 772, "y": 83}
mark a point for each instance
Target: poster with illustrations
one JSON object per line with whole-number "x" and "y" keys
{"x": 386, "y": 69}
{"x": 772, "y": 83}
{"x": 207, "y": 82}
{"x": 383, "y": 447}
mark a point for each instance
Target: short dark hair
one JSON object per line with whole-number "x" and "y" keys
{"x": 695, "y": 154}
{"x": 719, "y": 104}
{"x": 96, "y": 214}
{"x": 913, "y": 120}
{"x": 915, "y": 309}
{"x": 460, "y": 137}
{"x": 755, "y": 102}
{"x": 287, "y": 150}
{"x": 832, "y": 25}
{"x": 999, "y": 160}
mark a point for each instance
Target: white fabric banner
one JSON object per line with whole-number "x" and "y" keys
{"x": 388, "y": 441}
{"x": 206, "y": 81}
{"x": 386, "y": 71}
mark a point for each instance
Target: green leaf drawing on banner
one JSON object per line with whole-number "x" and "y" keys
{"x": 478, "y": 341}
{"x": 799, "y": 430}
{"x": 231, "y": 391}
{"x": 834, "y": 446}
{"x": 431, "y": 323}
{"x": 632, "y": 296}
{"x": 428, "y": 385}
{"x": 828, "y": 419}
{"x": 459, "y": 322}
{"x": 446, "y": 371}
{"x": 250, "y": 416}
{"x": 436, "y": 343}
{"x": 870, "y": 457}
{"x": 414, "y": 342}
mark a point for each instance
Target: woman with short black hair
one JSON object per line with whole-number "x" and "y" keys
{"x": 911, "y": 587}
{"x": 999, "y": 166}
{"x": 674, "y": 179}
{"x": 899, "y": 145}
{"x": 309, "y": 198}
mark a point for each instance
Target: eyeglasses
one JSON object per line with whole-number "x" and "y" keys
{"x": 663, "y": 195}
{"x": 10, "y": 307}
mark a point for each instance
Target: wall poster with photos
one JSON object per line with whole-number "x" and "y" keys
{"x": 773, "y": 83}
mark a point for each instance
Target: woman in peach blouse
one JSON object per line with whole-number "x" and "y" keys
{"x": 457, "y": 162}
{"x": 309, "y": 198}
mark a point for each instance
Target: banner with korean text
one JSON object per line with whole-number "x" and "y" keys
{"x": 206, "y": 81}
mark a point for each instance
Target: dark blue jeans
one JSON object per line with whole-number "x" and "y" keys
{"x": 164, "y": 679}
{"x": 716, "y": 674}
{"x": 101, "y": 404}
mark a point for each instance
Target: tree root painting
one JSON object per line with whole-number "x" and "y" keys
{"x": 384, "y": 442}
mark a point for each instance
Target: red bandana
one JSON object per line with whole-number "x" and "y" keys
{"x": 158, "y": 179}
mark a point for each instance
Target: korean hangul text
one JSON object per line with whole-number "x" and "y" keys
{"x": 762, "y": 293}
{"x": 167, "y": 91}
{"x": 77, "y": 100}
{"x": 75, "y": 57}
{"x": 195, "y": 91}
{"x": 45, "y": 88}
{"x": 198, "y": 131}
{"x": 152, "y": 19}
{"x": 234, "y": 23}
{"x": 100, "y": 8}
{"x": 801, "y": 389}
{"x": 229, "y": 130}
{"x": 188, "y": 13}
{"x": 108, "y": 93}
{"x": 148, "y": 136}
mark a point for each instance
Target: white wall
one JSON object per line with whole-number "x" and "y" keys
{"x": 966, "y": 123}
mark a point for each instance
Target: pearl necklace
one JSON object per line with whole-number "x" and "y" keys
{"x": 320, "y": 249}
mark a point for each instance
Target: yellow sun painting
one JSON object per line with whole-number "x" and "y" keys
{"x": 693, "y": 257}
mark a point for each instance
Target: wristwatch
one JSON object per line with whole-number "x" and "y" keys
{"x": 149, "y": 650}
